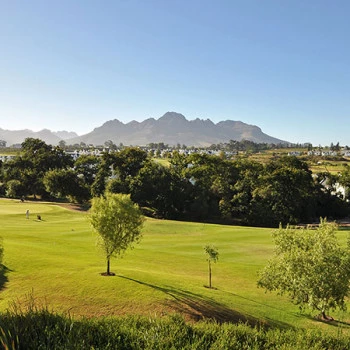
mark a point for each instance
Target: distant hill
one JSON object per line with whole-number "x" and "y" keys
{"x": 64, "y": 135}
{"x": 18, "y": 136}
{"x": 172, "y": 129}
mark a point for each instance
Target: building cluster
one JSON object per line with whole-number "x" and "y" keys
{"x": 322, "y": 153}
{"x": 6, "y": 158}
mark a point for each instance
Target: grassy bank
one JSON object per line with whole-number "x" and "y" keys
{"x": 41, "y": 329}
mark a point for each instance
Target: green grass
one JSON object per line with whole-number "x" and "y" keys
{"x": 334, "y": 167}
{"x": 57, "y": 262}
{"x": 162, "y": 161}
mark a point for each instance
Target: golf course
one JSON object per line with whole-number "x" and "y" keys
{"x": 55, "y": 263}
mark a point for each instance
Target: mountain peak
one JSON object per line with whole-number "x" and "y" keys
{"x": 172, "y": 128}
{"x": 172, "y": 116}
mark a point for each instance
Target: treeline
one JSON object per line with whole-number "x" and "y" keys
{"x": 251, "y": 146}
{"x": 193, "y": 187}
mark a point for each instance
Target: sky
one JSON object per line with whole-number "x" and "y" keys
{"x": 283, "y": 65}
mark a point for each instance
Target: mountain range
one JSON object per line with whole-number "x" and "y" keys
{"x": 172, "y": 129}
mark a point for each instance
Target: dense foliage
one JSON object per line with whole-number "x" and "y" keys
{"x": 197, "y": 186}
{"x": 41, "y": 329}
{"x": 310, "y": 266}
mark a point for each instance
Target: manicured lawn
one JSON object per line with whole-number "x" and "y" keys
{"x": 57, "y": 262}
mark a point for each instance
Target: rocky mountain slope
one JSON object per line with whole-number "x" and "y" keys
{"x": 172, "y": 129}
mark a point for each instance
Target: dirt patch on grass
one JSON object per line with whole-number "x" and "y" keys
{"x": 74, "y": 206}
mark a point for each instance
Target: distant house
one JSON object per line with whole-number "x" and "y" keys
{"x": 314, "y": 153}
{"x": 294, "y": 153}
{"x": 329, "y": 153}
{"x": 323, "y": 153}
{"x": 6, "y": 158}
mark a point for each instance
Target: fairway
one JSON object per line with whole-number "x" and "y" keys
{"x": 56, "y": 261}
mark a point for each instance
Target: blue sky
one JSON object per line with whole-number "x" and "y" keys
{"x": 281, "y": 65}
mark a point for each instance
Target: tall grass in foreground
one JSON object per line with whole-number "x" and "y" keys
{"x": 39, "y": 328}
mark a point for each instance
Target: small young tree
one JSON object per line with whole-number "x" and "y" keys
{"x": 118, "y": 221}
{"x": 212, "y": 256}
{"x": 310, "y": 266}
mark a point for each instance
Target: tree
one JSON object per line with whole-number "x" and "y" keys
{"x": 158, "y": 188}
{"x": 63, "y": 183}
{"x": 310, "y": 266}
{"x": 128, "y": 162}
{"x": 35, "y": 160}
{"x": 87, "y": 166}
{"x": 284, "y": 193}
{"x": 104, "y": 172}
{"x": 14, "y": 188}
{"x": 109, "y": 144}
{"x": 212, "y": 256}
{"x": 62, "y": 144}
{"x": 118, "y": 222}
{"x": 344, "y": 180}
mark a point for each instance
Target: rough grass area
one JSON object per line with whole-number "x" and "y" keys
{"x": 41, "y": 329}
{"x": 56, "y": 261}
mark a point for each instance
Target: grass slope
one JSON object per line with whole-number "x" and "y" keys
{"x": 56, "y": 261}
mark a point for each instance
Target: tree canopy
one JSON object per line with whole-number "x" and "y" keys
{"x": 310, "y": 266}
{"x": 197, "y": 186}
{"x": 118, "y": 222}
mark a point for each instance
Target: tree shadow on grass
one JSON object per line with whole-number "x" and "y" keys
{"x": 336, "y": 323}
{"x": 280, "y": 324}
{"x": 333, "y": 322}
{"x": 198, "y": 307}
{"x": 3, "y": 276}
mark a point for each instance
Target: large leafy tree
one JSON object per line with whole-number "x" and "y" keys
{"x": 104, "y": 172}
{"x": 121, "y": 166}
{"x": 242, "y": 191}
{"x": 284, "y": 193}
{"x": 35, "y": 160}
{"x": 344, "y": 180}
{"x": 159, "y": 189}
{"x": 310, "y": 266}
{"x": 118, "y": 222}
{"x": 329, "y": 202}
{"x": 62, "y": 183}
{"x": 212, "y": 178}
{"x": 86, "y": 167}
{"x": 128, "y": 162}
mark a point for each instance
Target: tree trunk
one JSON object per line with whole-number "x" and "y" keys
{"x": 108, "y": 267}
{"x": 209, "y": 274}
{"x": 325, "y": 317}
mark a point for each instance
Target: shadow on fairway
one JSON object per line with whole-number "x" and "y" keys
{"x": 335, "y": 323}
{"x": 198, "y": 307}
{"x": 3, "y": 276}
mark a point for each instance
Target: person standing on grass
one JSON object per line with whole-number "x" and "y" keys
{"x": 27, "y": 214}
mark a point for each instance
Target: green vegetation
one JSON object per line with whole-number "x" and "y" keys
{"x": 118, "y": 222}
{"x": 311, "y": 267}
{"x": 41, "y": 329}
{"x": 56, "y": 260}
{"x": 267, "y": 190}
{"x": 212, "y": 256}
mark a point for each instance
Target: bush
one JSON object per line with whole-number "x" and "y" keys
{"x": 41, "y": 329}
{"x": 14, "y": 189}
